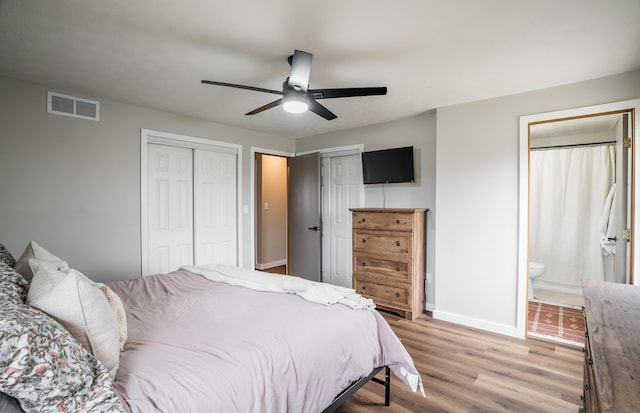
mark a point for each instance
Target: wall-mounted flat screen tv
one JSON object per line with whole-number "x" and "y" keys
{"x": 388, "y": 166}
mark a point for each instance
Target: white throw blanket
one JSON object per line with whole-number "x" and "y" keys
{"x": 312, "y": 291}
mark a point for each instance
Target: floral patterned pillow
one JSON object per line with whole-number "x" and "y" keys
{"x": 13, "y": 286}
{"x": 6, "y": 257}
{"x": 46, "y": 370}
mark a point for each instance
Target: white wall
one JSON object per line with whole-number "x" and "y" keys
{"x": 477, "y": 197}
{"x": 73, "y": 185}
{"x": 419, "y": 131}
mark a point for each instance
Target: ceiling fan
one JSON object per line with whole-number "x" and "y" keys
{"x": 297, "y": 97}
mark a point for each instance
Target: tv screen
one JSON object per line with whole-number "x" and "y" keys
{"x": 388, "y": 166}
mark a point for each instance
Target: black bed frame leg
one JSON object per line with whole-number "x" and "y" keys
{"x": 387, "y": 386}
{"x": 346, "y": 393}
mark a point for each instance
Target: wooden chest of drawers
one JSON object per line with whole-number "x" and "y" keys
{"x": 389, "y": 258}
{"x": 612, "y": 351}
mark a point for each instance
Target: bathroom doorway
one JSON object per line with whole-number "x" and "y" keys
{"x": 578, "y": 209}
{"x": 576, "y": 217}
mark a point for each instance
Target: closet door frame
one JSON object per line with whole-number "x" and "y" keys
{"x": 166, "y": 138}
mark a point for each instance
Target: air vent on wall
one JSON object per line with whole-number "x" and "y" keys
{"x": 60, "y": 104}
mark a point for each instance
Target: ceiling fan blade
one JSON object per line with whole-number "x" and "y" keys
{"x": 318, "y": 109}
{"x": 257, "y": 89}
{"x": 265, "y": 107}
{"x": 300, "y": 70}
{"x": 346, "y": 92}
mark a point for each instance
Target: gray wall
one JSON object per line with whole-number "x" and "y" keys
{"x": 419, "y": 131}
{"x": 477, "y": 197}
{"x": 73, "y": 185}
{"x": 468, "y": 177}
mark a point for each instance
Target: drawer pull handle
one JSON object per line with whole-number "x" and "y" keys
{"x": 363, "y": 220}
{"x": 364, "y": 241}
{"x": 587, "y": 387}
{"x": 397, "y": 221}
{"x": 397, "y": 294}
{"x": 590, "y": 362}
{"x": 397, "y": 268}
{"x": 364, "y": 264}
{"x": 397, "y": 243}
{"x": 364, "y": 287}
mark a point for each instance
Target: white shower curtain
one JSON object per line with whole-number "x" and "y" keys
{"x": 568, "y": 190}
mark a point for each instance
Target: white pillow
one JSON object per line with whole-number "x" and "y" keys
{"x": 40, "y": 255}
{"x": 81, "y": 307}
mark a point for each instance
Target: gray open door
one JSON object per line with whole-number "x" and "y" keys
{"x": 304, "y": 217}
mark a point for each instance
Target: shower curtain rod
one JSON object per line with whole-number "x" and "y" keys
{"x": 576, "y": 145}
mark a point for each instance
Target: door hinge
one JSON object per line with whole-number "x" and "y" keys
{"x": 626, "y": 234}
{"x": 627, "y": 143}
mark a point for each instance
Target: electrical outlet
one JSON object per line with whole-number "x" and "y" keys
{"x": 429, "y": 278}
{"x": 266, "y": 205}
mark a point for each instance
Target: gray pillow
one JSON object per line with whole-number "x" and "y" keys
{"x": 9, "y": 405}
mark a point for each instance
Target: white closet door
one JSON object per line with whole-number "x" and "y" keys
{"x": 170, "y": 209}
{"x": 344, "y": 182}
{"x": 215, "y": 211}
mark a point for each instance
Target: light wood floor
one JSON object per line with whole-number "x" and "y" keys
{"x": 468, "y": 370}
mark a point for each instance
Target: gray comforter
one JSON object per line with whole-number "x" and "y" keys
{"x": 201, "y": 346}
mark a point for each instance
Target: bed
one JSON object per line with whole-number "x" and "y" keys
{"x": 201, "y": 339}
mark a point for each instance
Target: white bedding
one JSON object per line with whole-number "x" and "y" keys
{"x": 312, "y": 291}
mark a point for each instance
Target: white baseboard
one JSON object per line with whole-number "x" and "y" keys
{"x": 476, "y": 323}
{"x": 429, "y": 307}
{"x": 267, "y": 265}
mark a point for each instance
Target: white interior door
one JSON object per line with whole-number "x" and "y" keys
{"x": 624, "y": 196}
{"x": 341, "y": 183}
{"x": 215, "y": 183}
{"x": 170, "y": 199}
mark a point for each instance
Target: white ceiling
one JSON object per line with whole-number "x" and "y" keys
{"x": 429, "y": 53}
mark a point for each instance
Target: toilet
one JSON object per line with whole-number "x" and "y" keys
{"x": 535, "y": 270}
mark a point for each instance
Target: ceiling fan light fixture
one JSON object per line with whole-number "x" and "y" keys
{"x": 295, "y": 104}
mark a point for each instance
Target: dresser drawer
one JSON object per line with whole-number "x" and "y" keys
{"x": 395, "y": 270}
{"x": 393, "y": 221}
{"x": 388, "y": 243}
{"x": 384, "y": 295}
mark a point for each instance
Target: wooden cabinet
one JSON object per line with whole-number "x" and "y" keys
{"x": 389, "y": 258}
{"x": 612, "y": 351}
